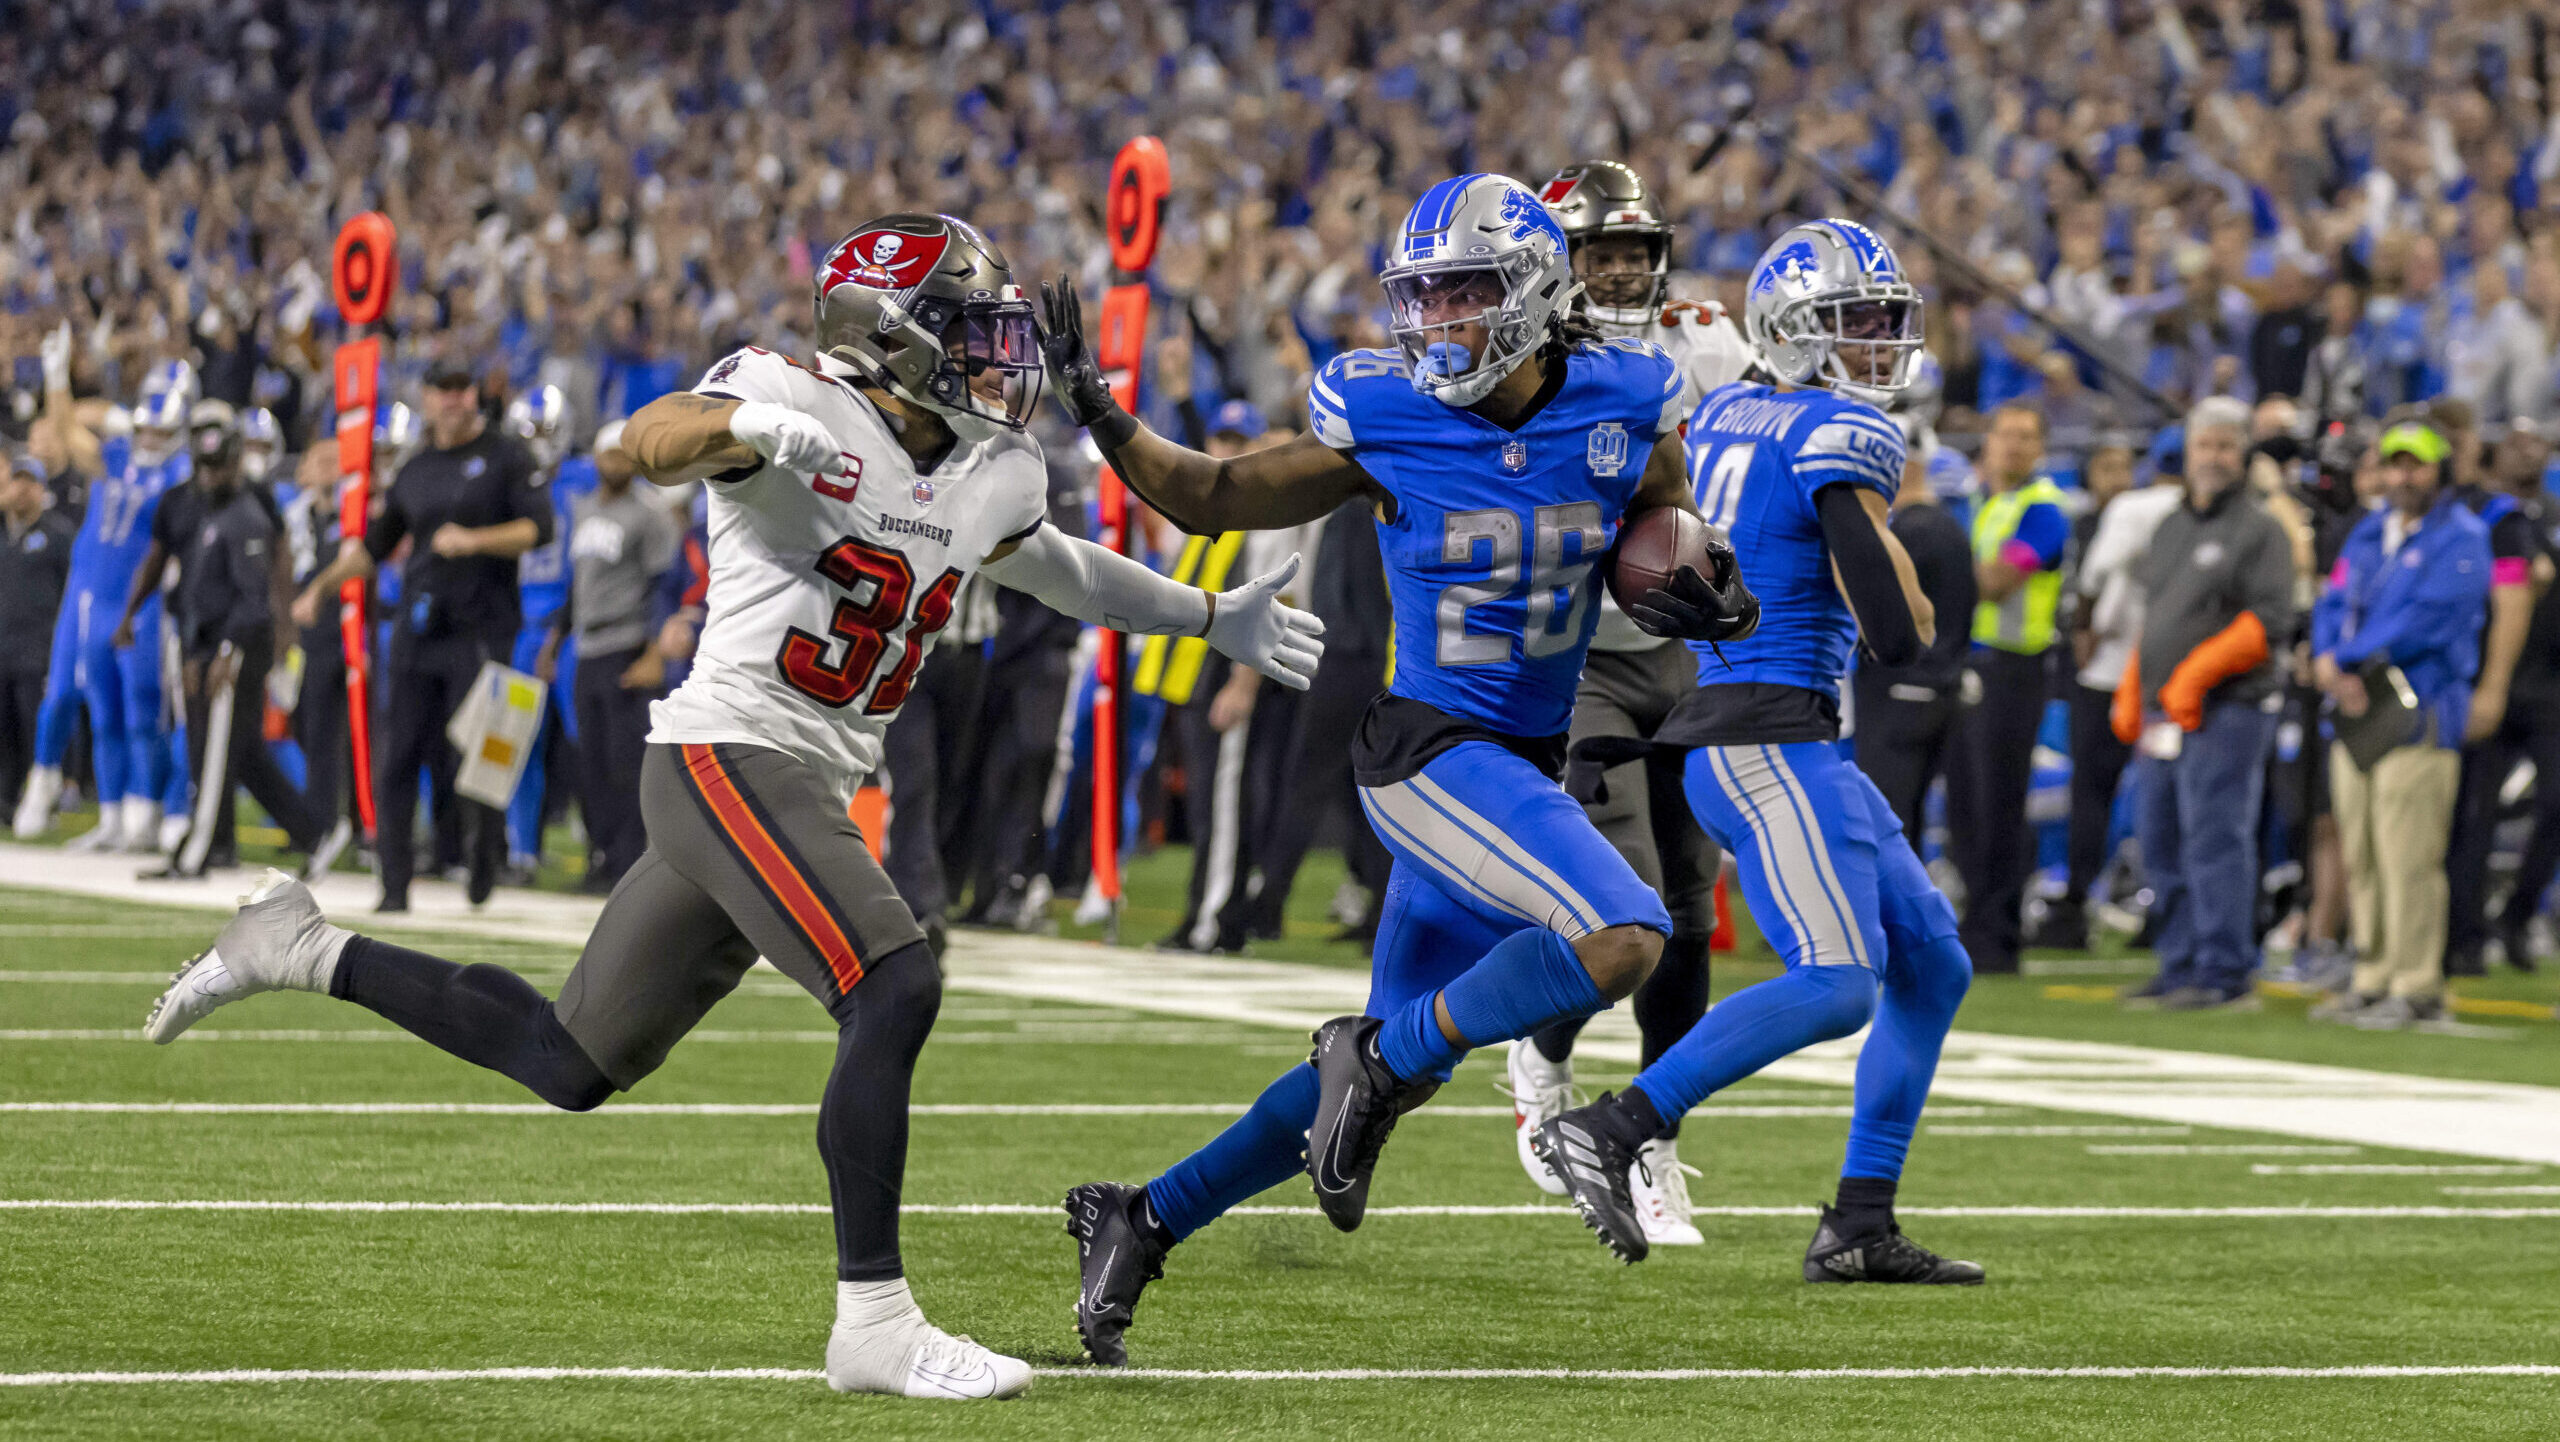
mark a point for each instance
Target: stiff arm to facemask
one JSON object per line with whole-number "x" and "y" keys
{"x": 1251, "y": 623}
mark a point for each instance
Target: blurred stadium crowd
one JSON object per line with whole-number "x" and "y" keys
{"x": 2345, "y": 204}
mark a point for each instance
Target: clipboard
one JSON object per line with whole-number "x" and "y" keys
{"x": 2390, "y": 721}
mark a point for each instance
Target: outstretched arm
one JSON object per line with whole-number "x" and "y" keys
{"x": 682, "y": 436}
{"x": 1080, "y": 579}
{"x": 1265, "y": 490}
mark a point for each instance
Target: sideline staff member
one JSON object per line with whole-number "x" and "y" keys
{"x": 227, "y": 536}
{"x": 469, "y": 504}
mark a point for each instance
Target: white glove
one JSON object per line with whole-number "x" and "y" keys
{"x": 55, "y": 352}
{"x": 790, "y": 439}
{"x": 1253, "y": 625}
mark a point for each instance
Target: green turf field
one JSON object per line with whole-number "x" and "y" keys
{"x": 88, "y": 1290}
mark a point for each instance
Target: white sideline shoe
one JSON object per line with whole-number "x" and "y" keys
{"x": 278, "y": 941}
{"x": 1539, "y": 1090}
{"x": 107, "y": 835}
{"x": 146, "y": 830}
{"x": 1659, "y": 1184}
{"x": 938, "y": 1367}
{"x": 36, "y": 802}
{"x": 325, "y": 855}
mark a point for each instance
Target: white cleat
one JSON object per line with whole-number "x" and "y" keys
{"x": 107, "y": 835}
{"x": 939, "y": 1366}
{"x": 278, "y": 941}
{"x": 1659, "y": 1185}
{"x": 146, "y": 830}
{"x": 1539, "y": 1090}
{"x": 36, "y": 802}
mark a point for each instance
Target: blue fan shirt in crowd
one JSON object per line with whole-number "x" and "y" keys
{"x": 1757, "y": 455}
{"x": 1492, "y": 552}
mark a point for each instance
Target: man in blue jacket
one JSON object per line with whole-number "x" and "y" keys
{"x": 2410, "y": 593}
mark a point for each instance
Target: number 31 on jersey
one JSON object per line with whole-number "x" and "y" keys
{"x": 878, "y": 584}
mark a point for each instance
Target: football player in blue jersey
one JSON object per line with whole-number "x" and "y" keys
{"x": 1501, "y": 445}
{"x": 1800, "y": 473}
{"x": 120, "y": 685}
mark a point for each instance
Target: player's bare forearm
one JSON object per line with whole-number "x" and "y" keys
{"x": 2510, "y": 617}
{"x": 1286, "y": 485}
{"x": 681, "y": 437}
{"x": 1665, "y": 483}
{"x": 146, "y": 579}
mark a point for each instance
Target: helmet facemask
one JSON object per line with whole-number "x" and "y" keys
{"x": 978, "y": 364}
{"x": 1618, "y": 300}
{"x": 1863, "y": 343}
{"x": 1427, "y": 309}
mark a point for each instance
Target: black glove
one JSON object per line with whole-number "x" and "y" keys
{"x": 1694, "y": 608}
{"x": 1081, "y": 390}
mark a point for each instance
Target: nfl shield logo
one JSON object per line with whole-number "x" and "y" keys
{"x": 923, "y": 493}
{"x": 1608, "y": 452}
{"x": 1515, "y": 456}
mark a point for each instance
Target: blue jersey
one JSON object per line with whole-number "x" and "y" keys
{"x": 117, "y": 528}
{"x": 1489, "y": 556}
{"x": 1757, "y": 455}
{"x": 542, "y": 574}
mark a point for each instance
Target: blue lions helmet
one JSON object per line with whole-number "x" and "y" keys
{"x": 1478, "y": 249}
{"x": 1829, "y": 306}
{"x": 158, "y": 419}
{"x": 261, "y": 442}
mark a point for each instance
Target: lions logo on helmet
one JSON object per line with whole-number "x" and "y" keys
{"x": 1477, "y": 250}
{"x": 1829, "y": 306}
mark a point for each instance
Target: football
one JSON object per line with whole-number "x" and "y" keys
{"x": 1652, "y": 545}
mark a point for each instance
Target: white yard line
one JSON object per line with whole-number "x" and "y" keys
{"x": 1050, "y": 1209}
{"x": 1325, "y": 1374}
{"x": 800, "y": 1109}
{"x": 2388, "y": 1169}
{"x": 2295, "y": 1149}
{"x": 2497, "y": 1121}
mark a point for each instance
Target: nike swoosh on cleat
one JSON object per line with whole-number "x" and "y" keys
{"x": 979, "y": 1382}
{"x": 1326, "y": 1178}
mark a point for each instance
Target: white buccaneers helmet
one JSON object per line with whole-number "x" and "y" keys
{"x": 925, "y": 307}
{"x": 1829, "y": 306}
{"x": 1481, "y": 249}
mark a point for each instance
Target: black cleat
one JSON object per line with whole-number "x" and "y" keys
{"x": 1358, "y": 1100}
{"x": 1583, "y": 1148}
{"x": 1118, "y": 1258}
{"x": 1885, "y": 1256}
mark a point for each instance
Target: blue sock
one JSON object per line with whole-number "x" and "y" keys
{"x": 1901, "y": 1055}
{"x": 1754, "y": 1027}
{"x": 1530, "y": 980}
{"x": 1265, "y": 1147}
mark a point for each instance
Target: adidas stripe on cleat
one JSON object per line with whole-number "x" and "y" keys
{"x": 1587, "y": 1152}
{"x": 1885, "y": 1256}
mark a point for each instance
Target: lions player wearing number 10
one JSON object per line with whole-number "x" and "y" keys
{"x": 849, "y": 501}
{"x": 1801, "y": 472}
{"x": 1501, "y": 444}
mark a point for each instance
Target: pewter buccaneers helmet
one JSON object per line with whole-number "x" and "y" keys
{"x": 1827, "y": 284}
{"x": 921, "y": 305}
{"x": 1597, "y": 199}
{"x": 1480, "y": 241}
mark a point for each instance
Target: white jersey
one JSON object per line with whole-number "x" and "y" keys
{"x": 1709, "y": 350}
{"x": 826, "y": 590}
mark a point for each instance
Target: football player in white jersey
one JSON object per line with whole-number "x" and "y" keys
{"x": 1621, "y": 248}
{"x": 849, "y": 499}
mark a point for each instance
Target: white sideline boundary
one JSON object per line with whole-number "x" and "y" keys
{"x": 2497, "y": 1121}
{"x": 1336, "y": 1374}
{"x": 1050, "y": 1209}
